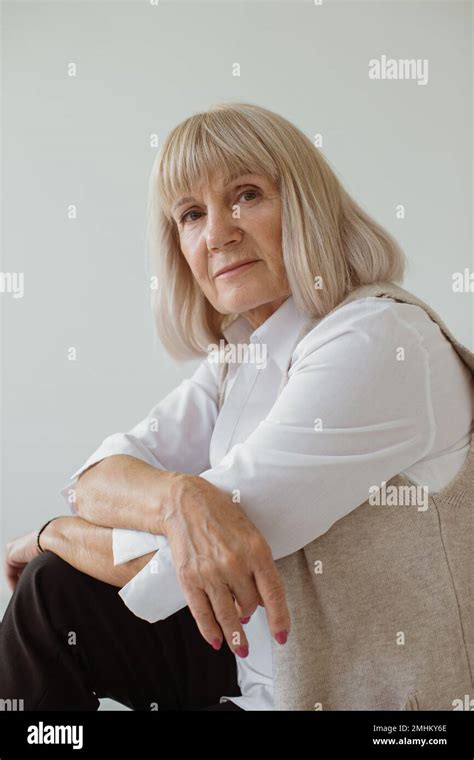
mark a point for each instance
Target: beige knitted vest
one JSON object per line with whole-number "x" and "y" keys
{"x": 382, "y": 604}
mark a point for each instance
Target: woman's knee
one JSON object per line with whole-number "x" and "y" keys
{"x": 48, "y": 570}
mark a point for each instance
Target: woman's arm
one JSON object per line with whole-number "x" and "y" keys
{"x": 174, "y": 436}
{"x": 123, "y": 492}
{"x": 88, "y": 548}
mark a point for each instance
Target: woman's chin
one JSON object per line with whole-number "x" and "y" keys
{"x": 241, "y": 299}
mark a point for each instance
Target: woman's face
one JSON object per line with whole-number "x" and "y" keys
{"x": 222, "y": 226}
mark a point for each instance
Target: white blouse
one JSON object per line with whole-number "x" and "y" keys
{"x": 374, "y": 389}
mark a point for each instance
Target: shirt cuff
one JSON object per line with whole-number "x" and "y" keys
{"x": 154, "y": 593}
{"x": 129, "y": 544}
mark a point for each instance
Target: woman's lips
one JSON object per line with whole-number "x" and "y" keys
{"x": 236, "y": 270}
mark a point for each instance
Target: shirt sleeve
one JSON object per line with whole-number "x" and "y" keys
{"x": 175, "y": 435}
{"x": 356, "y": 411}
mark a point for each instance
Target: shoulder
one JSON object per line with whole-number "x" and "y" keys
{"x": 367, "y": 330}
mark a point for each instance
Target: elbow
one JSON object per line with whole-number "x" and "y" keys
{"x": 84, "y": 496}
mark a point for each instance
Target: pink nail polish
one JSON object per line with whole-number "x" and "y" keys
{"x": 216, "y": 644}
{"x": 242, "y": 651}
{"x": 281, "y": 637}
{"x": 245, "y": 620}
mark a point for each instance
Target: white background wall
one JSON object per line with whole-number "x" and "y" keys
{"x": 140, "y": 70}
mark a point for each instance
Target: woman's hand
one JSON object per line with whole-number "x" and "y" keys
{"x": 17, "y": 555}
{"x": 223, "y": 563}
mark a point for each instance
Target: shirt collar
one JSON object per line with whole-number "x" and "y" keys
{"x": 278, "y": 333}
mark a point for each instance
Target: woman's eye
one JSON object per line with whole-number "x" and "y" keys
{"x": 183, "y": 218}
{"x": 249, "y": 192}
{"x": 186, "y": 217}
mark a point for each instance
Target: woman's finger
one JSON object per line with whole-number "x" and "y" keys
{"x": 272, "y": 591}
{"x": 11, "y": 575}
{"x": 226, "y": 615}
{"x": 201, "y": 610}
{"x": 246, "y": 598}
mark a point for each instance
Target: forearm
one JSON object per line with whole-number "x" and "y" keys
{"x": 88, "y": 548}
{"x": 124, "y": 492}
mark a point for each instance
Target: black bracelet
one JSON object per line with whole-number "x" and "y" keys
{"x": 41, "y": 530}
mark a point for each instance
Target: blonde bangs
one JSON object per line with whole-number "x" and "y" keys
{"x": 216, "y": 143}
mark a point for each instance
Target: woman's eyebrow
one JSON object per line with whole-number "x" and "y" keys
{"x": 182, "y": 201}
{"x": 190, "y": 199}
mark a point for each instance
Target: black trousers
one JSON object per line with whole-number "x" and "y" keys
{"x": 67, "y": 640}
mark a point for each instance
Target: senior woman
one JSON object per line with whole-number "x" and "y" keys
{"x": 254, "y": 570}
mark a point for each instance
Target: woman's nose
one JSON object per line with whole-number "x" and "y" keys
{"x": 221, "y": 230}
